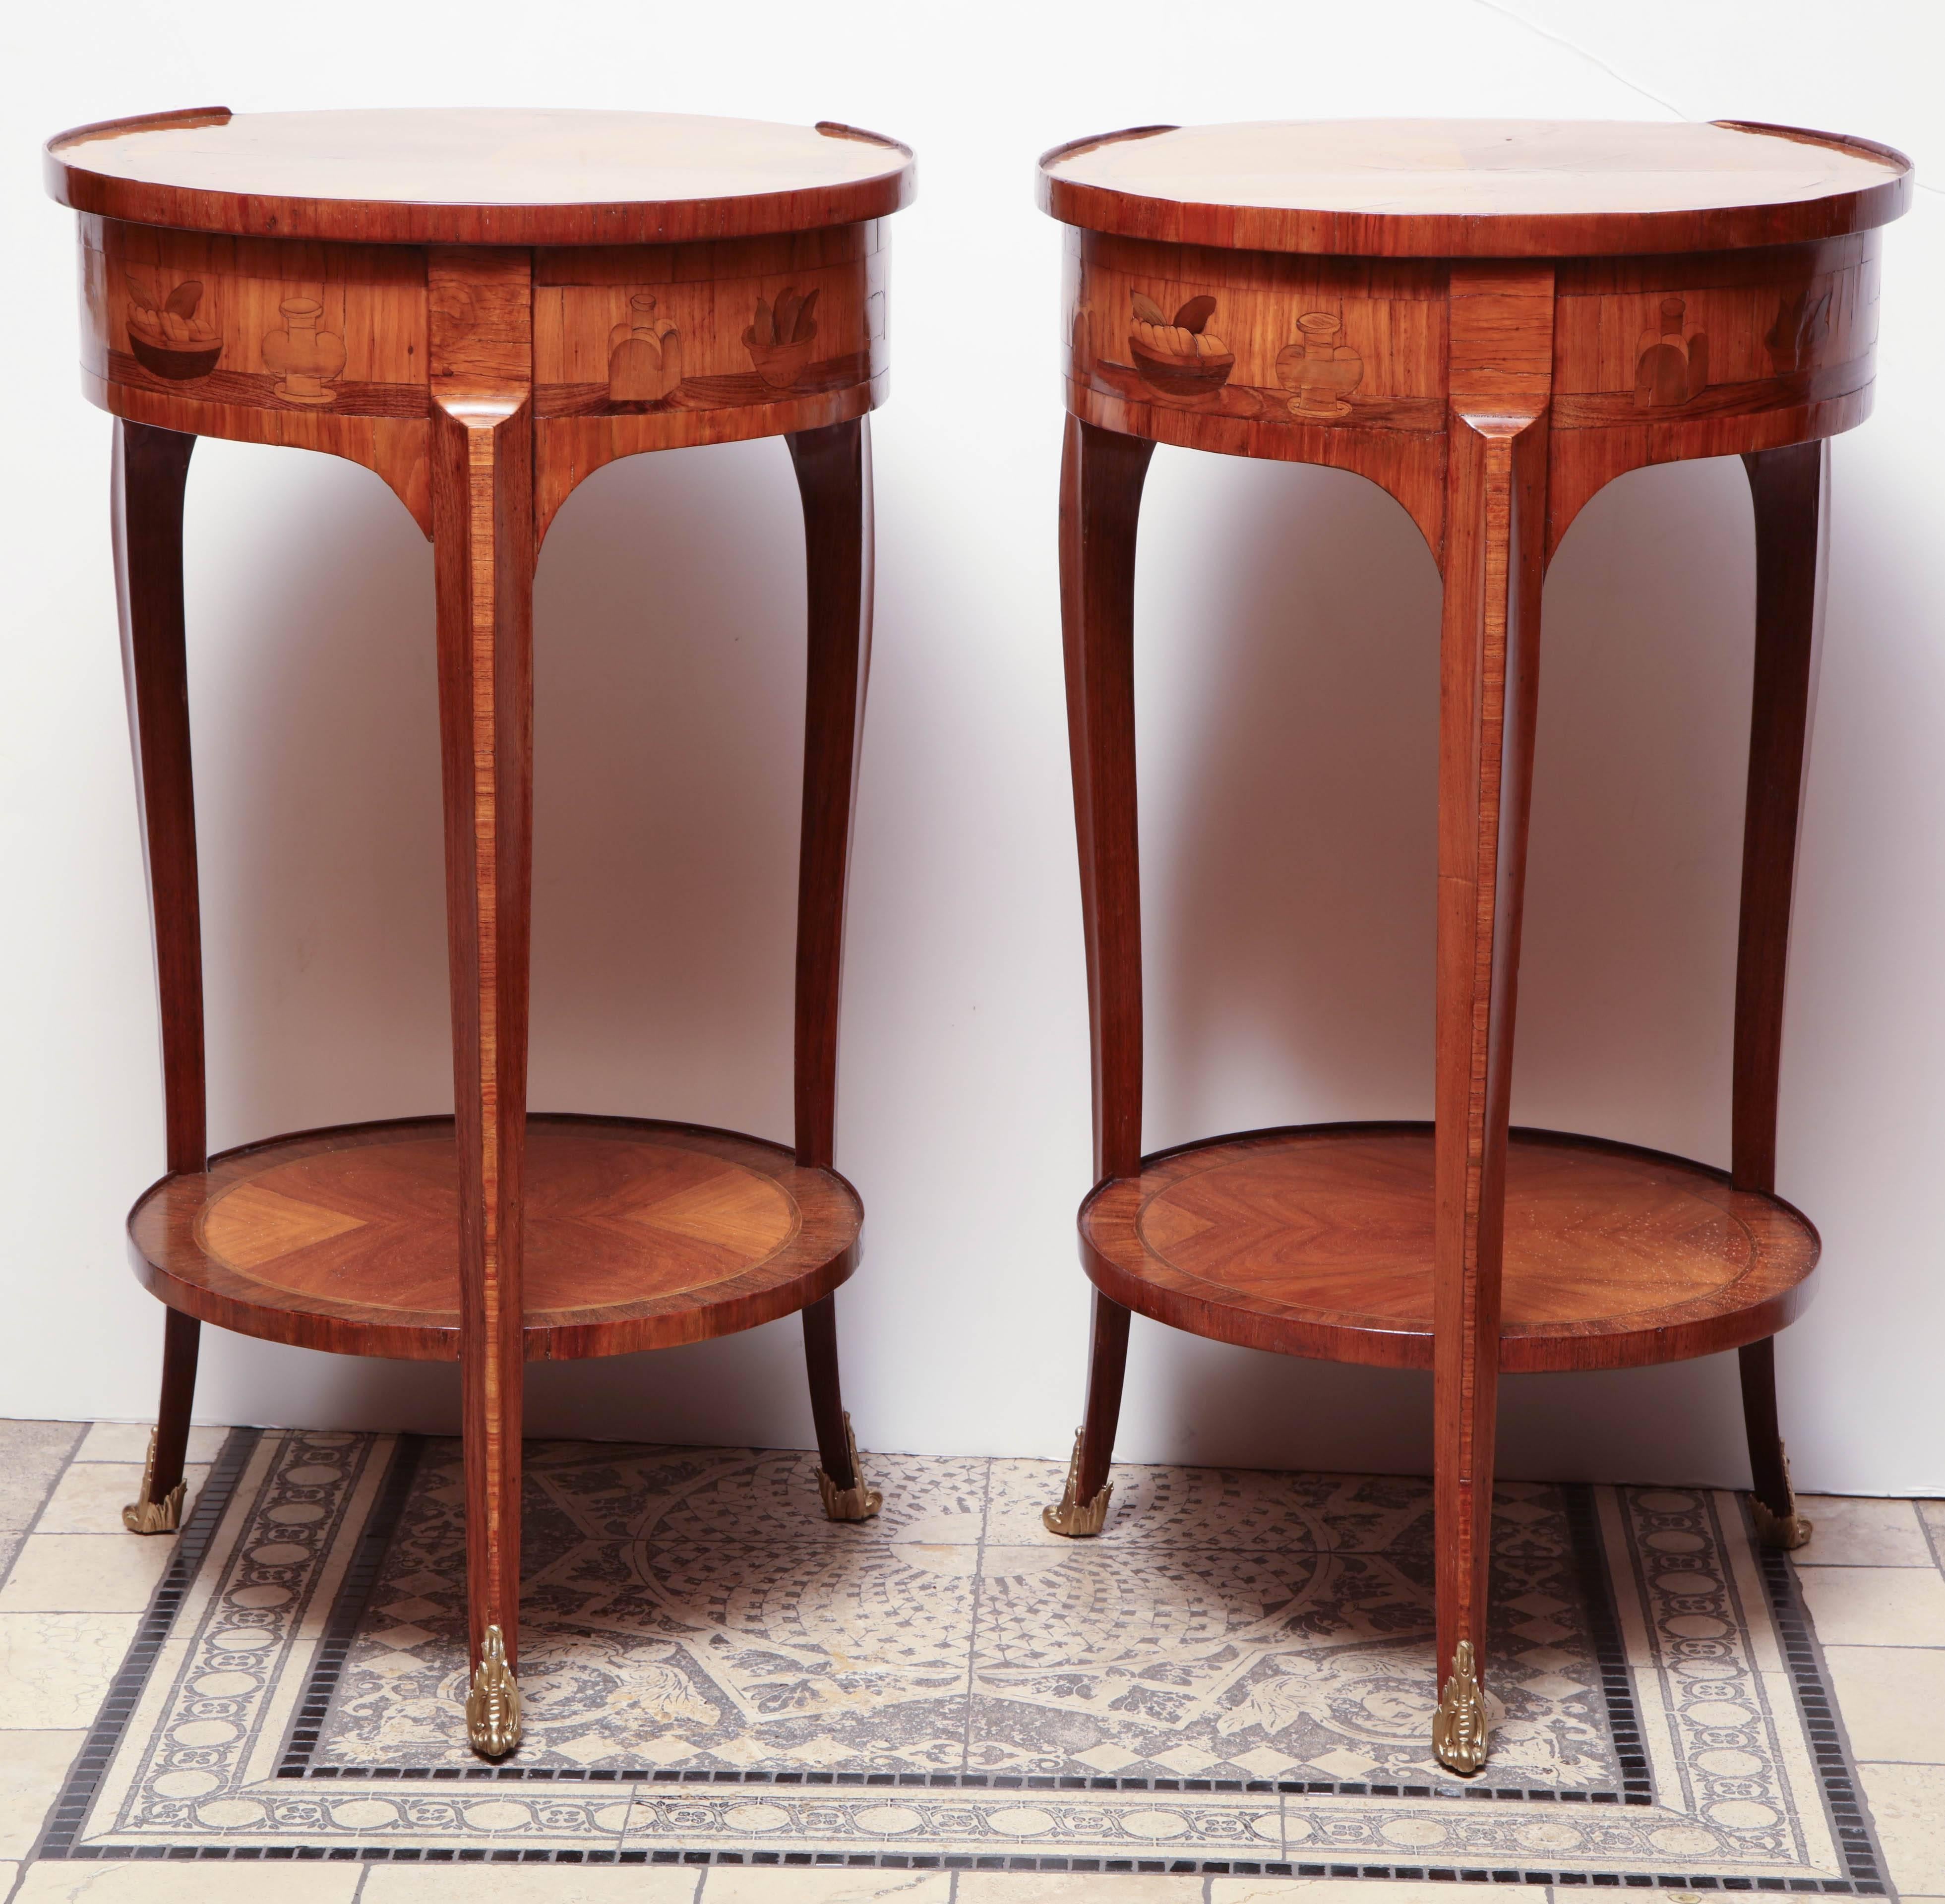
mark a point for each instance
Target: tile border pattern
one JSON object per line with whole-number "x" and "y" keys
{"x": 117, "y": 1708}
{"x": 1836, "y": 1769}
{"x": 1835, "y": 1772}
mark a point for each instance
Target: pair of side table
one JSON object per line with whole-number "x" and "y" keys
{"x": 1490, "y": 321}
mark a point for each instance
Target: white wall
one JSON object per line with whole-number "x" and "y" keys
{"x": 1288, "y": 619}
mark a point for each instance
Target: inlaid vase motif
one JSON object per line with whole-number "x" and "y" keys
{"x": 1672, "y": 363}
{"x": 1319, "y": 370}
{"x": 644, "y": 355}
{"x": 303, "y": 359}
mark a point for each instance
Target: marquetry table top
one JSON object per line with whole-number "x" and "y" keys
{"x": 1482, "y": 188}
{"x": 434, "y": 176}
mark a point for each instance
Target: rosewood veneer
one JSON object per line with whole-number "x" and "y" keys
{"x": 1491, "y": 321}
{"x": 485, "y": 307}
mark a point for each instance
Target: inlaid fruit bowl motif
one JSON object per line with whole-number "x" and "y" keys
{"x": 1180, "y": 357}
{"x": 165, "y": 335}
{"x": 781, "y": 340}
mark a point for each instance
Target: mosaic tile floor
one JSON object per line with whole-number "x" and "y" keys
{"x": 1239, "y": 1648}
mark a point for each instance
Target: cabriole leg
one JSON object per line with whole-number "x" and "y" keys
{"x": 1496, "y": 507}
{"x": 483, "y": 554}
{"x": 840, "y": 1481}
{"x": 1082, "y": 1507}
{"x": 151, "y": 472}
{"x": 833, "y": 473}
{"x": 1788, "y": 487}
{"x": 1102, "y": 474}
{"x": 1772, "y": 1500}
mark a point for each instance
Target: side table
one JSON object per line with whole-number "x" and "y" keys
{"x": 485, "y": 307}
{"x": 1491, "y": 321}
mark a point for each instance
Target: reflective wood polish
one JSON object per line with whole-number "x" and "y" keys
{"x": 1491, "y": 321}
{"x": 484, "y": 308}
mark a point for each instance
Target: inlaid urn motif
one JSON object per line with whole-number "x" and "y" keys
{"x": 303, "y": 359}
{"x": 1671, "y": 364}
{"x": 1319, "y": 370}
{"x": 644, "y": 355}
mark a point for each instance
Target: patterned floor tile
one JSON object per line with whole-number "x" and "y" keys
{"x": 715, "y": 1672}
{"x": 1209, "y": 1507}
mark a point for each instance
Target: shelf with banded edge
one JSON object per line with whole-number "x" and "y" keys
{"x": 1318, "y": 1241}
{"x": 639, "y": 1235}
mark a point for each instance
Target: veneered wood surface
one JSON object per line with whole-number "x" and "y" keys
{"x": 480, "y": 355}
{"x": 629, "y": 347}
{"x": 1491, "y": 321}
{"x": 1788, "y": 489}
{"x": 454, "y": 176}
{"x": 638, "y": 1235}
{"x": 1499, "y": 378}
{"x": 151, "y": 472}
{"x": 1101, "y": 477}
{"x": 1342, "y": 362}
{"x": 833, "y": 473}
{"x": 485, "y": 345}
{"x": 1475, "y": 188}
{"x": 1319, "y": 1241}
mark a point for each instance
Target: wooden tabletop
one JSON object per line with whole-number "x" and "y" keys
{"x": 427, "y": 176}
{"x": 1477, "y": 188}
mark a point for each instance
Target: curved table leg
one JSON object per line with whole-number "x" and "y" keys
{"x": 833, "y": 474}
{"x": 1102, "y": 474}
{"x": 1501, "y": 339}
{"x": 483, "y": 557}
{"x": 1788, "y": 487}
{"x": 151, "y": 472}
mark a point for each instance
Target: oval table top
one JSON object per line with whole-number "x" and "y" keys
{"x": 1475, "y": 188}
{"x": 453, "y": 176}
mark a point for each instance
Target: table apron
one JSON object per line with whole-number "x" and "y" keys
{"x": 633, "y": 347}
{"x": 1345, "y": 361}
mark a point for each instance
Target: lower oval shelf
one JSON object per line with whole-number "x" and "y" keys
{"x": 1318, "y": 1241}
{"x": 639, "y": 1235}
